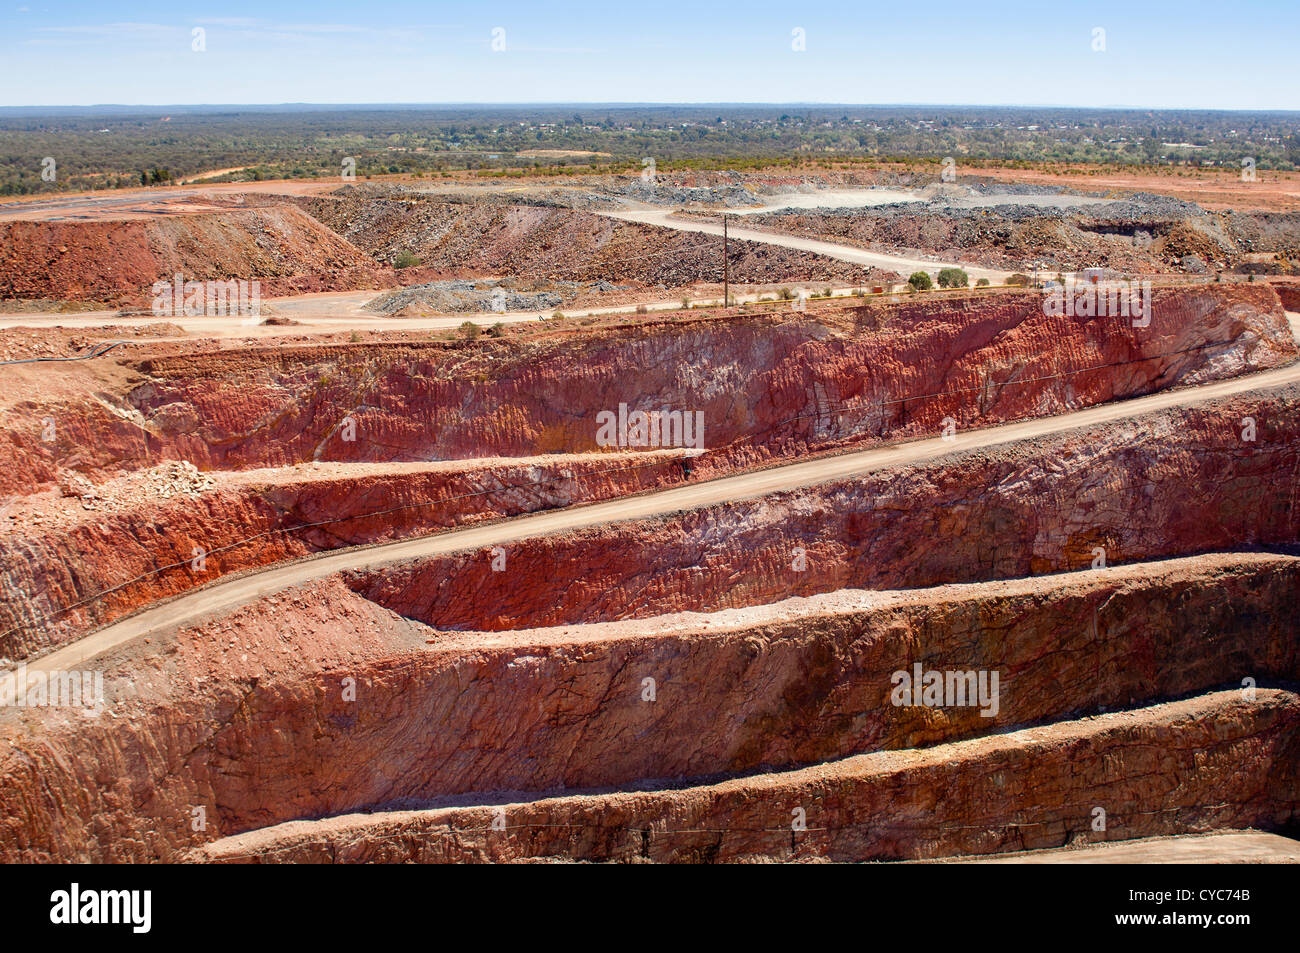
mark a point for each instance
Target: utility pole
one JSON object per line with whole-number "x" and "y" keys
{"x": 726, "y": 266}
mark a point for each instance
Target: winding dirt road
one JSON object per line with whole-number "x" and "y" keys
{"x": 856, "y": 256}
{"x": 229, "y": 593}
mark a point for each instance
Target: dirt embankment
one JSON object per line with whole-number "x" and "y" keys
{"x": 249, "y": 715}
{"x": 118, "y": 261}
{"x": 766, "y": 387}
{"x": 542, "y": 242}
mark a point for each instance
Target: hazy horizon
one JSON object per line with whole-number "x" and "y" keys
{"x": 588, "y": 103}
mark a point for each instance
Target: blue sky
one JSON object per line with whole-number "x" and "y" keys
{"x": 1188, "y": 54}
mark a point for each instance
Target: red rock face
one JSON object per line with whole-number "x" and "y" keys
{"x": 1289, "y": 292}
{"x": 768, "y": 388}
{"x": 246, "y": 715}
{"x": 1033, "y": 789}
{"x": 1162, "y": 485}
{"x": 105, "y": 565}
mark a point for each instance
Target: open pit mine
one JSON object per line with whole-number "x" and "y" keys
{"x": 855, "y": 574}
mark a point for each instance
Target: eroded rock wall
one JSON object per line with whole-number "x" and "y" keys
{"x": 87, "y": 567}
{"x": 246, "y": 715}
{"x": 119, "y": 260}
{"x": 767, "y": 388}
{"x": 1203, "y": 764}
{"x": 1164, "y": 484}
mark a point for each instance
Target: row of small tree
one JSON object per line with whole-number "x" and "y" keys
{"x": 948, "y": 278}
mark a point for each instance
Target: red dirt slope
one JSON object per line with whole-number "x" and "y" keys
{"x": 117, "y": 260}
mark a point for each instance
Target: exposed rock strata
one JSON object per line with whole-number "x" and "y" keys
{"x": 145, "y": 550}
{"x": 245, "y": 715}
{"x": 282, "y": 247}
{"x": 1196, "y": 765}
{"x": 767, "y": 387}
{"x": 1164, "y": 484}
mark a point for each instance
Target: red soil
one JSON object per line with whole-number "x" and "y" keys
{"x": 117, "y": 261}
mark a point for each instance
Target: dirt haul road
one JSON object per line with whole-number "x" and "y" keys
{"x": 343, "y": 311}
{"x": 226, "y": 594}
{"x": 857, "y": 256}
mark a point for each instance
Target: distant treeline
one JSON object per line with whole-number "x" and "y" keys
{"x": 118, "y": 147}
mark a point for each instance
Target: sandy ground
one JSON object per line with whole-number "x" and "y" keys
{"x": 869, "y": 198}
{"x": 335, "y": 311}
{"x": 148, "y": 202}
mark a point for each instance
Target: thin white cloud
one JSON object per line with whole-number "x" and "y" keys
{"x": 112, "y": 29}
{"x": 228, "y": 21}
{"x": 270, "y": 27}
{"x": 552, "y": 49}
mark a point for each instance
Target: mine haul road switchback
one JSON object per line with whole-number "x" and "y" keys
{"x": 226, "y": 594}
{"x": 856, "y": 256}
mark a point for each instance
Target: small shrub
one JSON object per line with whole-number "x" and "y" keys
{"x": 497, "y": 330}
{"x": 642, "y": 309}
{"x": 469, "y": 330}
{"x": 920, "y": 281}
{"x": 557, "y": 315}
{"x": 982, "y": 283}
{"x": 686, "y": 304}
{"x": 953, "y": 278}
{"x": 406, "y": 259}
{"x": 1018, "y": 281}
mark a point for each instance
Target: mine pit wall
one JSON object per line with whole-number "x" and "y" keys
{"x": 46, "y": 571}
{"x": 767, "y": 387}
{"x": 1165, "y": 484}
{"x": 1204, "y": 764}
{"x": 1289, "y": 293}
{"x": 260, "y": 736}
